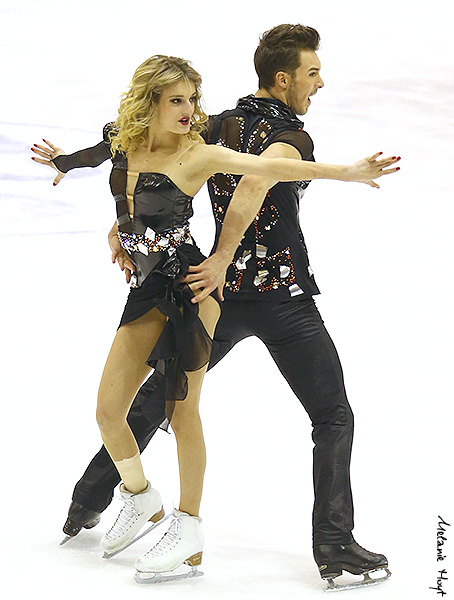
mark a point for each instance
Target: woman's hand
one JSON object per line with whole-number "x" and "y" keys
{"x": 120, "y": 255}
{"x": 48, "y": 154}
{"x": 370, "y": 168}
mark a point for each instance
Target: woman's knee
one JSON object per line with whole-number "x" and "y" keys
{"x": 185, "y": 422}
{"x": 109, "y": 418}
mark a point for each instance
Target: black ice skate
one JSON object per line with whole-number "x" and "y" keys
{"x": 332, "y": 559}
{"x": 79, "y": 518}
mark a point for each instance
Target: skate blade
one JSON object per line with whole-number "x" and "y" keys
{"x": 368, "y": 580}
{"x": 67, "y": 539}
{"x": 108, "y": 555}
{"x": 76, "y": 531}
{"x": 146, "y": 578}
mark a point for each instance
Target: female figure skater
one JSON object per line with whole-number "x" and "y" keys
{"x": 159, "y": 163}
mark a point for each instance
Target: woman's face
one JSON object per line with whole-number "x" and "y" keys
{"x": 176, "y": 107}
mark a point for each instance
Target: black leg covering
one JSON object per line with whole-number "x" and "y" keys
{"x": 296, "y": 337}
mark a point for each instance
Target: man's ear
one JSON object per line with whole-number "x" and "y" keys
{"x": 282, "y": 80}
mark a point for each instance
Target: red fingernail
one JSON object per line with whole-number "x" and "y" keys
{"x": 54, "y": 184}
{"x": 398, "y": 158}
{"x": 397, "y": 168}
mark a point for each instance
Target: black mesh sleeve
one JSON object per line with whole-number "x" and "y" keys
{"x": 207, "y": 132}
{"x": 300, "y": 140}
{"x": 89, "y": 157}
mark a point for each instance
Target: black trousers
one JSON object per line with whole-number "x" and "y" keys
{"x": 297, "y": 340}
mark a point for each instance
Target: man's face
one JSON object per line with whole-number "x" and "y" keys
{"x": 304, "y": 82}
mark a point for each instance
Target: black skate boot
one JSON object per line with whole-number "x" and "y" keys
{"x": 79, "y": 517}
{"x": 332, "y": 559}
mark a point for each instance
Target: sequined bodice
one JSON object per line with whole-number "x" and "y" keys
{"x": 159, "y": 224}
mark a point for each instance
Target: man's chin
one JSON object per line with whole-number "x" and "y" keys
{"x": 300, "y": 109}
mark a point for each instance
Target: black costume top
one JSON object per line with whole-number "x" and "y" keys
{"x": 271, "y": 262}
{"x": 161, "y": 247}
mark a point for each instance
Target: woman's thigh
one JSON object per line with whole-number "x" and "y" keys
{"x": 126, "y": 367}
{"x": 209, "y": 312}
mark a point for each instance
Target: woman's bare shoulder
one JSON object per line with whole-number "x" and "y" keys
{"x": 199, "y": 151}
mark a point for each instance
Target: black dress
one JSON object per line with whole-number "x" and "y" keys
{"x": 158, "y": 240}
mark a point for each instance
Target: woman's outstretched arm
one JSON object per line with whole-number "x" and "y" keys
{"x": 223, "y": 160}
{"x": 56, "y": 158}
{"x": 246, "y": 202}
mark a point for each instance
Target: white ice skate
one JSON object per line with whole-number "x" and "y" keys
{"x": 181, "y": 544}
{"x": 137, "y": 510}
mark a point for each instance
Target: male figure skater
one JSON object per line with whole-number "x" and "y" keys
{"x": 268, "y": 293}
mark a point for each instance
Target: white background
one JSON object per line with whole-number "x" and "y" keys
{"x": 382, "y": 258}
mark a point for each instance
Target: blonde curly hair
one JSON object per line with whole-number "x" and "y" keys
{"x": 138, "y": 104}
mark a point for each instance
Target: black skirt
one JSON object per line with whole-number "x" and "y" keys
{"x": 184, "y": 344}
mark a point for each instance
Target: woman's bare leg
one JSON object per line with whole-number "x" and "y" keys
{"x": 187, "y": 426}
{"x": 123, "y": 374}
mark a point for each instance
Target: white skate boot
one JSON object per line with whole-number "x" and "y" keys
{"x": 137, "y": 510}
{"x": 181, "y": 544}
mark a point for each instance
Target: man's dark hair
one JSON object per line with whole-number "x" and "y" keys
{"x": 279, "y": 50}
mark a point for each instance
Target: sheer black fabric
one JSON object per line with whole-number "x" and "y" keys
{"x": 300, "y": 140}
{"x": 89, "y": 157}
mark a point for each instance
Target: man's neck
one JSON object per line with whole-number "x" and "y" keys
{"x": 272, "y": 93}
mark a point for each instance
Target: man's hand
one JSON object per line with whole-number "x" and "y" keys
{"x": 209, "y": 275}
{"x": 120, "y": 255}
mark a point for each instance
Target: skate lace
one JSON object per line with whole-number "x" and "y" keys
{"x": 127, "y": 516}
{"x": 168, "y": 540}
